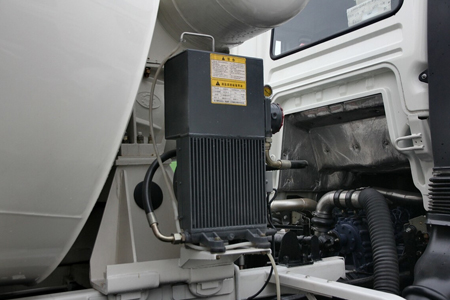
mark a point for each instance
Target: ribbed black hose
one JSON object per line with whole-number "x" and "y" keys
{"x": 385, "y": 260}
{"x": 146, "y": 193}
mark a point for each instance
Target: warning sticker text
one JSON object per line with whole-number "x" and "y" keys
{"x": 228, "y": 92}
{"x": 228, "y": 67}
{"x": 228, "y": 80}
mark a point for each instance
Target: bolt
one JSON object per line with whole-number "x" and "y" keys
{"x": 147, "y": 72}
{"x": 424, "y": 76}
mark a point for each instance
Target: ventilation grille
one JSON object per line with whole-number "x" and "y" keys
{"x": 228, "y": 179}
{"x": 440, "y": 192}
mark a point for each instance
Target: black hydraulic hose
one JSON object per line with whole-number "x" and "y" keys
{"x": 146, "y": 193}
{"x": 385, "y": 260}
{"x": 263, "y": 287}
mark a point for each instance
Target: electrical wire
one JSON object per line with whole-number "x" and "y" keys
{"x": 264, "y": 286}
{"x": 152, "y": 134}
{"x": 277, "y": 278}
{"x": 269, "y": 202}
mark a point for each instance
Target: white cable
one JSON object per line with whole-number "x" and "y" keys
{"x": 195, "y": 247}
{"x": 227, "y": 247}
{"x": 277, "y": 278}
{"x": 239, "y": 245}
{"x": 152, "y": 134}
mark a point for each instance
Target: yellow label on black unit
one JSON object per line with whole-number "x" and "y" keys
{"x": 228, "y": 79}
{"x": 229, "y": 84}
{"x": 223, "y": 57}
{"x": 228, "y": 92}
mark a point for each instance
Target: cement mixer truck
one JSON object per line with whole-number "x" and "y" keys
{"x": 218, "y": 149}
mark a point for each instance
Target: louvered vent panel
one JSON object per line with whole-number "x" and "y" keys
{"x": 227, "y": 182}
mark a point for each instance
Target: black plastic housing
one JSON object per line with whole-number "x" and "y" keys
{"x": 187, "y": 96}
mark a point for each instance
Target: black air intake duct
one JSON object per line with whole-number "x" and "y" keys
{"x": 431, "y": 275}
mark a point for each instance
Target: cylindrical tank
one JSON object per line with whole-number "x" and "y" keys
{"x": 230, "y": 22}
{"x": 67, "y": 87}
{"x": 67, "y": 90}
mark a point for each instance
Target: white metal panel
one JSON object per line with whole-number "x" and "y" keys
{"x": 69, "y": 73}
{"x": 356, "y": 64}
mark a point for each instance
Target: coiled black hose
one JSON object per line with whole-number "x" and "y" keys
{"x": 146, "y": 193}
{"x": 385, "y": 260}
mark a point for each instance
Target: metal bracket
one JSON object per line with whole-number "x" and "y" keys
{"x": 411, "y": 137}
{"x": 213, "y": 42}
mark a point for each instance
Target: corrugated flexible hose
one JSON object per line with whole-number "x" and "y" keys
{"x": 385, "y": 260}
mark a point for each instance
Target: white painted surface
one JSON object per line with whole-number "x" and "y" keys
{"x": 230, "y": 22}
{"x": 385, "y": 57}
{"x": 69, "y": 73}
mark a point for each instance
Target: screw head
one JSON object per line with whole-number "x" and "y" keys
{"x": 424, "y": 76}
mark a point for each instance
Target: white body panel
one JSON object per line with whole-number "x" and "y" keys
{"x": 385, "y": 57}
{"x": 69, "y": 73}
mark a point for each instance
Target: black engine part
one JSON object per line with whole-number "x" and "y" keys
{"x": 215, "y": 110}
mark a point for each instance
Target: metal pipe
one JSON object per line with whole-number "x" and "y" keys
{"x": 327, "y": 202}
{"x": 401, "y": 196}
{"x": 176, "y": 238}
{"x": 281, "y": 164}
{"x": 386, "y": 274}
{"x": 336, "y": 198}
{"x": 298, "y": 204}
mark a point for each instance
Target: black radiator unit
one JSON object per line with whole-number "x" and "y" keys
{"x": 215, "y": 110}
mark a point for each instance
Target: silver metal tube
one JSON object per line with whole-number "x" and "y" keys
{"x": 175, "y": 238}
{"x": 157, "y": 233}
{"x": 298, "y": 204}
{"x": 275, "y": 164}
{"x": 400, "y": 195}
{"x": 327, "y": 202}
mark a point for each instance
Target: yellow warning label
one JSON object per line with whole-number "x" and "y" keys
{"x": 228, "y": 80}
{"x": 228, "y": 67}
{"x": 229, "y": 84}
{"x": 221, "y": 57}
{"x": 228, "y": 92}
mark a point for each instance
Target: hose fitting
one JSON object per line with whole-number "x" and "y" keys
{"x": 385, "y": 260}
{"x": 281, "y": 164}
{"x": 175, "y": 238}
